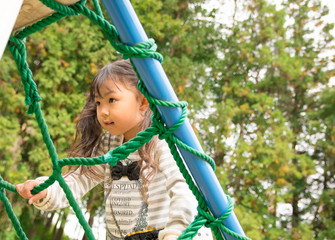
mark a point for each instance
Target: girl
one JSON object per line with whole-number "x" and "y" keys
{"x": 146, "y": 196}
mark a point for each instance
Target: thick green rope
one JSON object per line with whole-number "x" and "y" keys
{"x": 17, "y": 49}
{"x": 39, "y": 25}
{"x": 9, "y": 209}
{"x": 97, "y": 8}
{"x": 142, "y": 50}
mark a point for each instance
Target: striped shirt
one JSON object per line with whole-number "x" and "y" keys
{"x": 172, "y": 205}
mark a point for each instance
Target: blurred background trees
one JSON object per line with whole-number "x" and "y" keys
{"x": 261, "y": 101}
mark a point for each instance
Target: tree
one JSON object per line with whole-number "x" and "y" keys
{"x": 64, "y": 58}
{"x": 261, "y": 95}
{"x": 322, "y": 120}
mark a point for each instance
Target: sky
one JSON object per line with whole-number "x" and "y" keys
{"x": 226, "y": 10}
{"x": 226, "y": 7}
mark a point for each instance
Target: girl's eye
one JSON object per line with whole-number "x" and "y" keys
{"x": 111, "y": 100}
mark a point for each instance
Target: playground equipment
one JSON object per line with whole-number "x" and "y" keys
{"x": 129, "y": 38}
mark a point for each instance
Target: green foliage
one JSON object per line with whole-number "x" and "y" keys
{"x": 266, "y": 122}
{"x": 64, "y": 58}
{"x": 255, "y": 103}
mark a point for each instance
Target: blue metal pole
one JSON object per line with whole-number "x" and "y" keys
{"x": 152, "y": 73}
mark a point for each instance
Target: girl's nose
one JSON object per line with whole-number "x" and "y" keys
{"x": 105, "y": 111}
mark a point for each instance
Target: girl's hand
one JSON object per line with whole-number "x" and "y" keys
{"x": 24, "y": 189}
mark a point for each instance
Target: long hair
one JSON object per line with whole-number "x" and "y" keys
{"x": 89, "y": 130}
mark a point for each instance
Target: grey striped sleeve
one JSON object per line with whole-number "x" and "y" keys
{"x": 183, "y": 204}
{"x": 78, "y": 183}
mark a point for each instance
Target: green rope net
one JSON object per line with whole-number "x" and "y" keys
{"x": 143, "y": 50}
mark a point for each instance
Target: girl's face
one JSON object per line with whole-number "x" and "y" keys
{"x": 119, "y": 109}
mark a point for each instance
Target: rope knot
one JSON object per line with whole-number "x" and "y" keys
{"x": 140, "y": 50}
{"x": 57, "y": 169}
{"x": 211, "y": 220}
{"x": 216, "y": 223}
{"x": 164, "y": 132}
{"x": 111, "y": 158}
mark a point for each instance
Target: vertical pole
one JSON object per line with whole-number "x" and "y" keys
{"x": 152, "y": 73}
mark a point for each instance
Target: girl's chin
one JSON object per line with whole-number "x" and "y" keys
{"x": 112, "y": 131}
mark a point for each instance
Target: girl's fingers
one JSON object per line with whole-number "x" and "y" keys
{"x": 24, "y": 189}
{"x": 19, "y": 188}
{"x": 37, "y": 196}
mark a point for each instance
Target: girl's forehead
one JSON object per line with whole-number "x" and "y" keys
{"x": 111, "y": 85}
{"x": 106, "y": 84}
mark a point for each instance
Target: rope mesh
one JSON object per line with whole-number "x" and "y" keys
{"x": 142, "y": 50}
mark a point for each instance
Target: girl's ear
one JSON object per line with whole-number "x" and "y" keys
{"x": 144, "y": 104}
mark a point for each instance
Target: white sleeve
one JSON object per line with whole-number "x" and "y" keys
{"x": 182, "y": 209}
{"x": 78, "y": 183}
